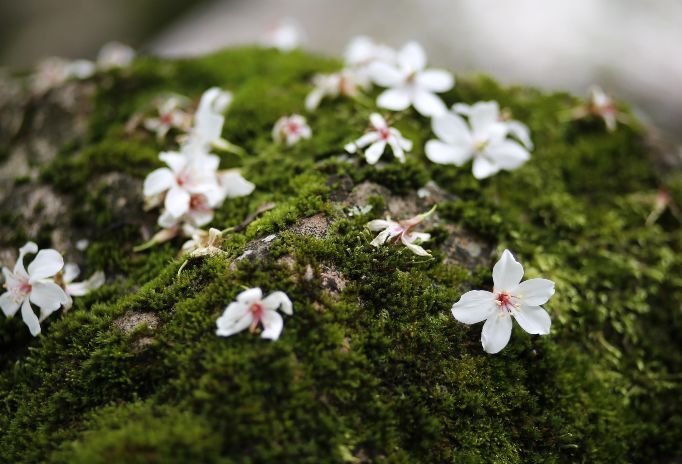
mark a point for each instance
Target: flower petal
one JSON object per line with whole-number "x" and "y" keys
{"x": 278, "y": 300}
{"x": 507, "y": 272}
{"x": 177, "y": 201}
{"x": 374, "y": 152}
{"x": 250, "y": 296}
{"x": 362, "y": 142}
{"x": 533, "y": 319}
{"x": 474, "y": 306}
{"x": 8, "y": 304}
{"x": 380, "y": 224}
{"x": 496, "y": 333}
{"x": 272, "y": 325}
{"x": 381, "y": 238}
{"x": 521, "y": 132}
{"x": 82, "y": 288}
{"x": 483, "y": 115}
{"x": 176, "y": 161}
{"x": 47, "y": 295}
{"x": 385, "y": 75}
{"x": 534, "y": 292}
{"x": 444, "y": 153}
{"x": 235, "y": 318}
{"x": 435, "y": 80}
{"x": 158, "y": 181}
{"x": 412, "y": 57}
{"x": 71, "y": 272}
{"x": 396, "y": 99}
{"x": 484, "y": 168}
{"x": 377, "y": 121}
{"x": 234, "y": 185}
{"x": 28, "y": 248}
{"x": 451, "y": 128}
{"x": 30, "y": 319}
{"x": 428, "y": 104}
{"x": 408, "y": 241}
{"x": 313, "y": 99}
{"x": 46, "y": 264}
{"x": 507, "y": 154}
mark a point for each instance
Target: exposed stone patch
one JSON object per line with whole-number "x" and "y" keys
{"x": 133, "y": 319}
{"x": 314, "y": 226}
{"x": 333, "y": 281}
{"x": 464, "y": 249}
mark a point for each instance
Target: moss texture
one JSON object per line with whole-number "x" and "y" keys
{"x": 381, "y": 372}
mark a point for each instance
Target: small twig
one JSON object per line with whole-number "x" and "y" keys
{"x": 252, "y": 217}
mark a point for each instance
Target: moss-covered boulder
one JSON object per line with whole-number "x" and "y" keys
{"x": 372, "y": 367}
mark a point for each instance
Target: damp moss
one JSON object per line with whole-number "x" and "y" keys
{"x": 382, "y": 372}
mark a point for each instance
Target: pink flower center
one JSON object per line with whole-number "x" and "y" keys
{"x": 198, "y": 202}
{"x": 384, "y": 133}
{"x": 257, "y": 313}
{"x": 293, "y": 128}
{"x": 25, "y": 288}
{"x": 167, "y": 119}
{"x": 504, "y": 301}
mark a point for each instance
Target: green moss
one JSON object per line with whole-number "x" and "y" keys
{"x": 382, "y": 373}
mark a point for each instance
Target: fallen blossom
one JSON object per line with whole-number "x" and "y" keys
{"x": 202, "y": 243}
{"x": 33, "y": 285}
{"x": 403, "y": 231}
{"x": 509, "y": 299}
{"x": 285, "y": 35}
{"x": 345, "y": 83}
{"x": 251, "y": 309}
{"x": 516, "y": 129}
{"x": 71, "y": 288}
{"x": 600, "y": 105}
{"x": 410, "y": 83}
{"x": 291, "y": 129}
{"x": 171, "y": 115}
{"x": 484, "y": 138}
{"x": 115, "y": 55}
{"x": 377, "y": 137}
{"x": 207, "y": 128}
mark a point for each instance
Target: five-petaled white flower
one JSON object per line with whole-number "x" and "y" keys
{"x": 285, "y": 35}
{"x": 35, "y": 285}
{"x": 403, "y": 231}
{"x": 510, "y": 298}
{"x": 291, "y": 129}
{"x": 114, "y": 55}
{"x": 484, "y": 138}
{"x": 171, "y": 116}
{"x": 252, "y": 309}
{"x": 379, "y": 135}
{"x": 409, "y": 83}
{"x": 71, "y": 273}
{"x": 188, "y": 184}
{"x": 345, "y": 82}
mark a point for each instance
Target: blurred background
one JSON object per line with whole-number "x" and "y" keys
{"x": 631, "y": 48}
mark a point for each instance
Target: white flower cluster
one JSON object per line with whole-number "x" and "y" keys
{"x": 192, "y": 185}
{"x": 46, "y": 283}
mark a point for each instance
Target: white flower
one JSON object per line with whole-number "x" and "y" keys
{"x": 509, "y": 298}
{"x": 252, "y": 309}
{"x": 379, "y": 135}
{"x": 207, "y": 129}
{"x": 189, "y": 182}
{"x": 403, "y": 231}
{"x": 484, "y": 139}
{"x": 233, "y": 184}
{"x": 345, "y": 82}
{"x": 409, "y": 83}
{"x": 515, "y": 128}
{"x": 35, "y": 285}
{"x": 603, "y": 106}
{"x": 202, "y": 243}
{"x": 171, "y": 116}
{"x": 363, "y": 51}
{"x": 114, "y": 55}
{"x": 70, "y": 273}
{"x": 291, "y": 129}
{"x": 285, "y": 35}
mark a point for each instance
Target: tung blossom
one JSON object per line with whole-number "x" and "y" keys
{"x": 251, "y": 309}
{"x": 207, "y": 128}
{"x": 71, "y": 273}
{"x": 286, "y": 35}
{"x": 602, "y": 106}
{"x": 410, "y": 83}
{"x": 291, "y": 129}
{"x": 345, "y": 82}
{"x": 188, "y": 183}
{"x": 509, "y": 299}
{"x": 485, "y": 138}
{"x": 202, "y": 243}
{"x": 171, "y": 116}
{"x": 403, "y": 231}
{"x": 33, "y": 285}
{"x": 377, "y": 137}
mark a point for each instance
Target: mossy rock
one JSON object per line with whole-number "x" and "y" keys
{"x": 371, "y": 367}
